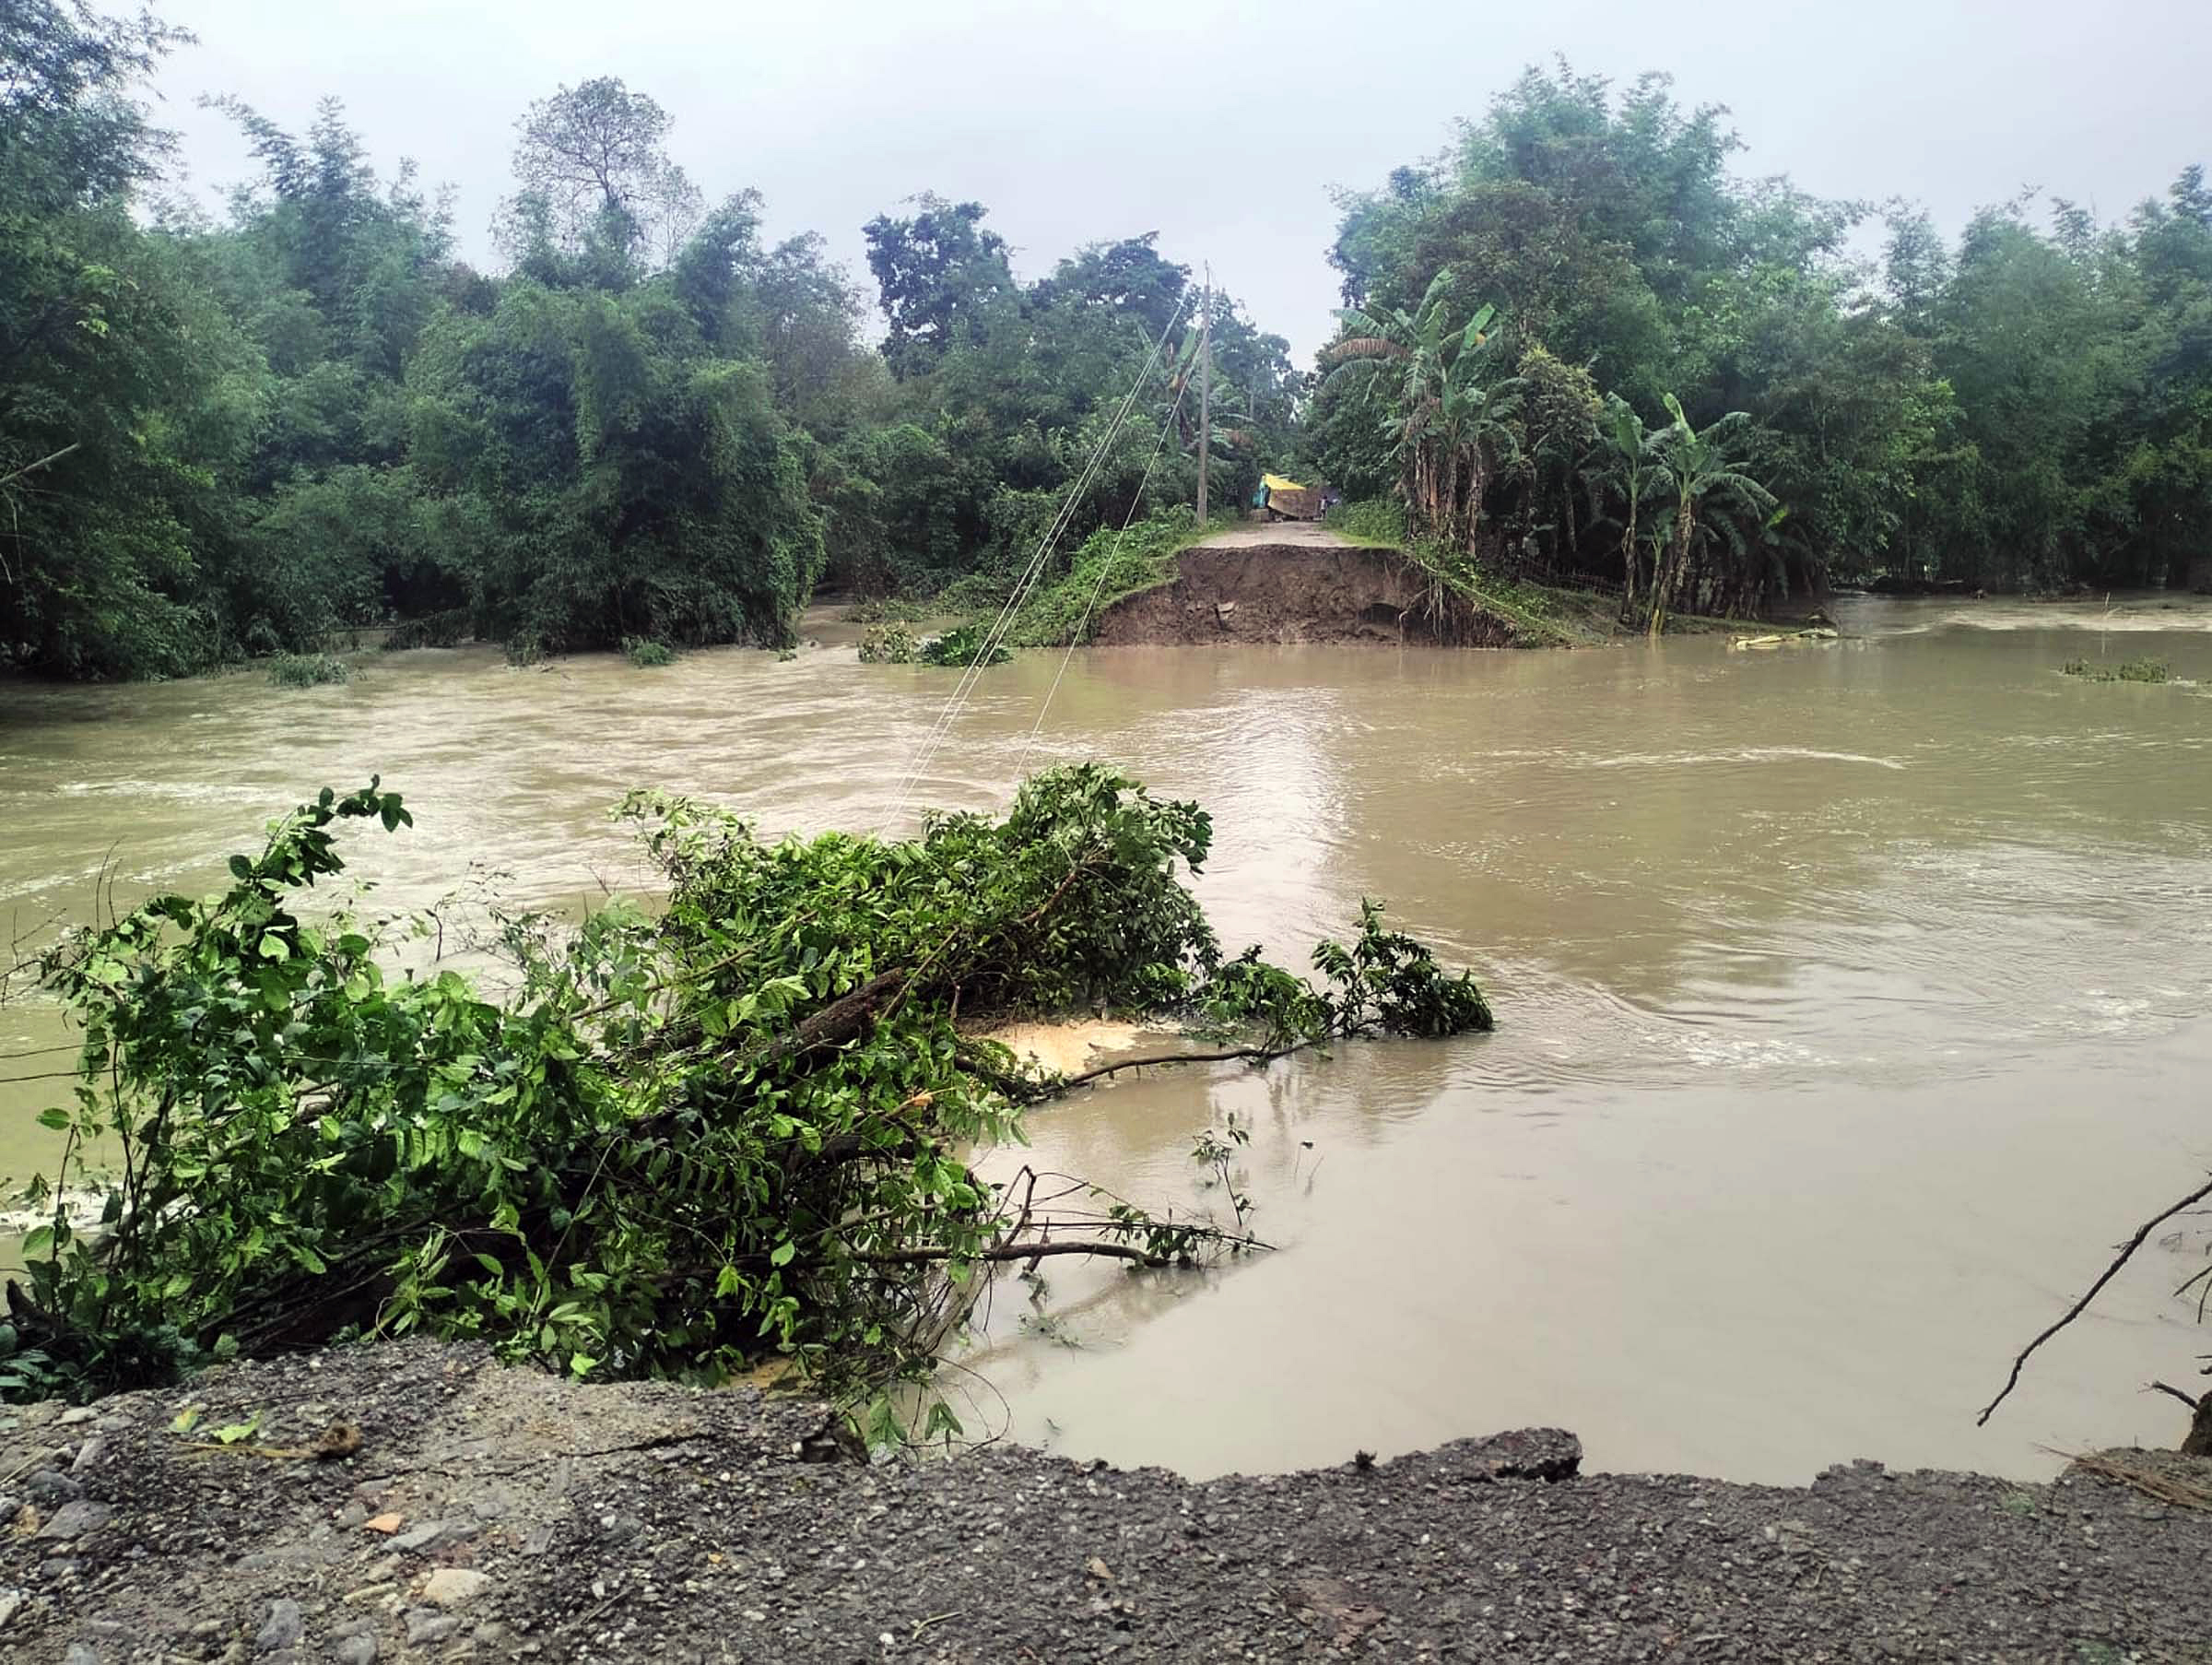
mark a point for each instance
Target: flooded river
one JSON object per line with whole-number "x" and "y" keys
{"x": 1853, "y": 1002}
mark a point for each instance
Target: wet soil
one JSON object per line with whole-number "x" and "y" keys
{"x": 1306, "y": 589}
{"x": 494, "y": 1514}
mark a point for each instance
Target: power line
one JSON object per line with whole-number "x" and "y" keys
{"x": 1098, "y": 588}
{"x": 971, "y": 674}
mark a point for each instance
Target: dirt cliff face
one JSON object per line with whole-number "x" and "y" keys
{"x": 1280, "y": 592}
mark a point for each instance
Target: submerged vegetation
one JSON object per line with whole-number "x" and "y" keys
{"x": 308, "y": 671}
{"x": 2144, "y": 669}
{"x": 967, "y": 645}
{"x": 889, "y": 644}
{"x": 646, "y": 654}
{"x": 964, "y": 646}
{"x": 738, "y": 1128}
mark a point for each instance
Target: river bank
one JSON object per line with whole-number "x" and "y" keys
{"x": 1299, "y": 581}
{"x": 494, "y": 1514}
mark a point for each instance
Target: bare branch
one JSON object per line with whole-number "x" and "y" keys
{"x": 2073, "y": 1312}
{"x": 1255, "y": 1054}
{"x": 10, "y": 479}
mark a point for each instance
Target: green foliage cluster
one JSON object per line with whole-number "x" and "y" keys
{"x": 2143, "y": 669}
{"x": 885, "y": 609}
{"x": 1111, "y": 564}
{"x": 308, "y": 671}
{"x": 229, "y": 439}
{"x": 889, "y": 644}
{"x": 646, "y": 654}
{"x": 684, "y": 1141}
{"x": 1375, "y": 520}
{"x": 2030, "y": 407}
{"x": 965, "y": 644}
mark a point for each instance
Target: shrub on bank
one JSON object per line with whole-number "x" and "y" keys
{"x": 1376, "y": 520}
{"x": 1111, "y": 564}
{"x": 645, "y": 654}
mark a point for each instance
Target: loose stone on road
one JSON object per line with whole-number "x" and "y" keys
{"x": 648, "y": 1521}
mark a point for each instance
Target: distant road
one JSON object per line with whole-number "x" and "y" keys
{"x": 1252, "y": 532}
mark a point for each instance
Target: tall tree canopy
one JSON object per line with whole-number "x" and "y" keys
{"x": 593, "y": 159}
{"x": 220, "y": 438}
{"x": 2025, "y": 408}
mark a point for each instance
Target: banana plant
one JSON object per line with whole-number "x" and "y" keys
{"x": 1444, "y": 413}
{"x": 1627, "y": 471}
{"x": 1711, "y": 491}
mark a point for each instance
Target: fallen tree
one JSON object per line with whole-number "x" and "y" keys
{"x": 736, "y": 1129}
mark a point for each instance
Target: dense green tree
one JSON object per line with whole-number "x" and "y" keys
{"x": 235, "y": 437}
{"x": 625, "y": 480}
{"x": 1127, "y": 280}
{"x": 1433, "y": 380}
{"x": 943, "y": 278}
{"x": 126, "y": 392}
{"x": 2027, "y": 409}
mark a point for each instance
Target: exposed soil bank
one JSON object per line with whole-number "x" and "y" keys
{"x": 1300, "y": 592}
{"x": 493, "y": 1514}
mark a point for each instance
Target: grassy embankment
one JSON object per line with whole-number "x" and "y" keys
{"x": 1544, "y": 615}
{"x": 1112, "y": 565}
{"x": 1540, "y": 616}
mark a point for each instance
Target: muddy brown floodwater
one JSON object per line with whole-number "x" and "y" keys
{"x": 1853, "y": 1002}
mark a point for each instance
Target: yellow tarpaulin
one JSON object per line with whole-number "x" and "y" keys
{"x": 1276, "y": 482}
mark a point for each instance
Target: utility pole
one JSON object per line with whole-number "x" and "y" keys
{"x": 1205, "y": 388}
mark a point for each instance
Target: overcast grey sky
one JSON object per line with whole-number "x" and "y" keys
{"x": 1220, "y": 125}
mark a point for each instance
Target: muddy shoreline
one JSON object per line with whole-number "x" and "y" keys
{"x": 498, "y": 1514}
{"x": 1297, "y": 591}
